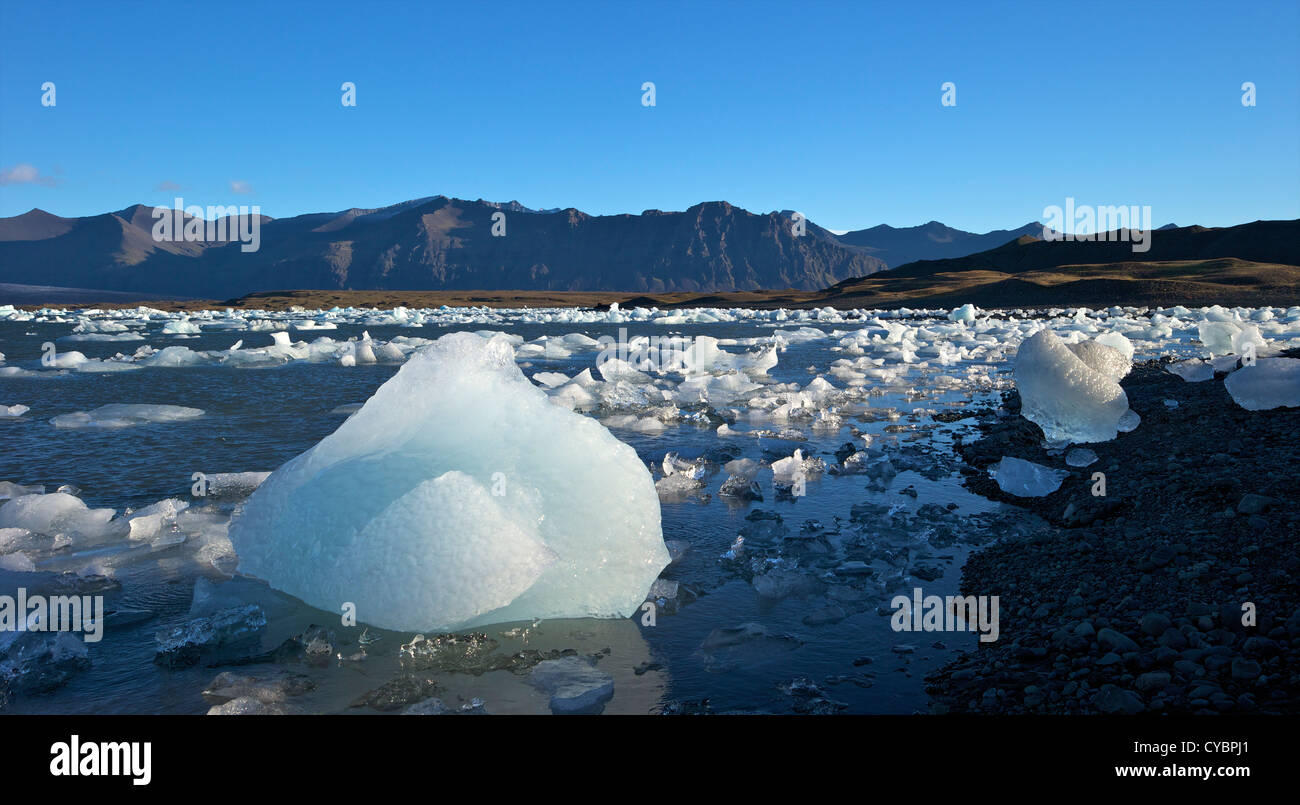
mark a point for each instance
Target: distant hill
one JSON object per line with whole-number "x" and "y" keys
{"x": 898, "y": 246}
{"x": 436, "y": 243}
{"x": 1260, "y": 241}
{"x": 1250, "y": 264}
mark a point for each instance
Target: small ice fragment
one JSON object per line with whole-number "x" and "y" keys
{"x": 1129, "y": 422}
{"x": 677, "y": 485}
{"x": 575, "y": 686}
{"x": 236, "y": 629}
{"x": 1025, "y": 479}
{"x": 1192, "y": 371}
{"x": 551, "y": 380}
{"x": 1080, "y": 457}
{"x": 965, "y": 313}
{"x": 1217, "y": 336}
{"x": 234, "y": 484}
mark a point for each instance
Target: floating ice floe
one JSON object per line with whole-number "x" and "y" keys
{"x": 1071, "y": 394}
{"x": 1269, "y": 383}
{"x": 1025, "y": 479}
{"x": 681, "y": 477}
{"x": 55, "y": 513}
{"x": 794, "y": 468}
{"x": 1228, "y": 337}
{"x": 180, "y": 327}
{"x": 740, "y": 481}
{"x": 457, "y": 496}
{"x": 964, "y": 313}
{"x": 149, "y": 522}
{"x": 38, "y": 528}
{"x": 123, "y": 415}
{"x": 551, "y": 379}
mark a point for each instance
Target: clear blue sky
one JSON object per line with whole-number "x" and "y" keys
{"x": 832, "y": 109}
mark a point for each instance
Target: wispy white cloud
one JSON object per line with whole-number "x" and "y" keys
{"x": 23, "y": 173}
{"x": 167, "y": 186}
{"x": 240, "y": 186}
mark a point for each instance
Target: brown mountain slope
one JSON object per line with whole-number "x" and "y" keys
{"x": 1224, "y": 281}
{"x": 438, "y": 244}
{"x": 1260, "y": 241}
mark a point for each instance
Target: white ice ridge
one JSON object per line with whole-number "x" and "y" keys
{"x": 1070, "y": 390}
{"x": 459, "y": 495}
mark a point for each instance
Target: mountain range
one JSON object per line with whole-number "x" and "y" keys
{"x": 441, "y": 243}
{"x": 437, "y": 243}
{"x": 897, "y": 246}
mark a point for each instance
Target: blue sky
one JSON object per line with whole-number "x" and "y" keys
{"x": 832, "y": 109}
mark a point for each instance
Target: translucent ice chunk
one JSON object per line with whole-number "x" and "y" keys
{"x": 1110, "y": 361}
{"x": 1025, "y": 479}
{"x": 1119, "y": 342}
{"x": 1217, "y": 336}
{"x": 1064, "y": 395}
{"x": 1080, "y": 457}
{"x": 457, "y": 496}
{"x": 1270, "y": 383}
{"x": 1193, "y": 371}
{"x": 120, "y": 415}
{"x": 965, "y": 313}
{"x": 54, "y": 513}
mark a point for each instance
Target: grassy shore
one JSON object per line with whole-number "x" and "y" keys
{"x": 1194, "y": 283}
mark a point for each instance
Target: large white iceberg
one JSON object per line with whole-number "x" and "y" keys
{"x": 459, "y": 496}
{"x": 1269, "y": 383}
{"x": 1072, "y": 397}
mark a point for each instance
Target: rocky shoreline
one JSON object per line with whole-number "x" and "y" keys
{"x": 1134, "y": 601}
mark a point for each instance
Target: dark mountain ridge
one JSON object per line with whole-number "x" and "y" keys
{"x": 930, "y": 241}
{"x": 436, "y": 243}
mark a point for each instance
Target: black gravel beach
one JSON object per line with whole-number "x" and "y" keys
{"x": 1175, "y": 592}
